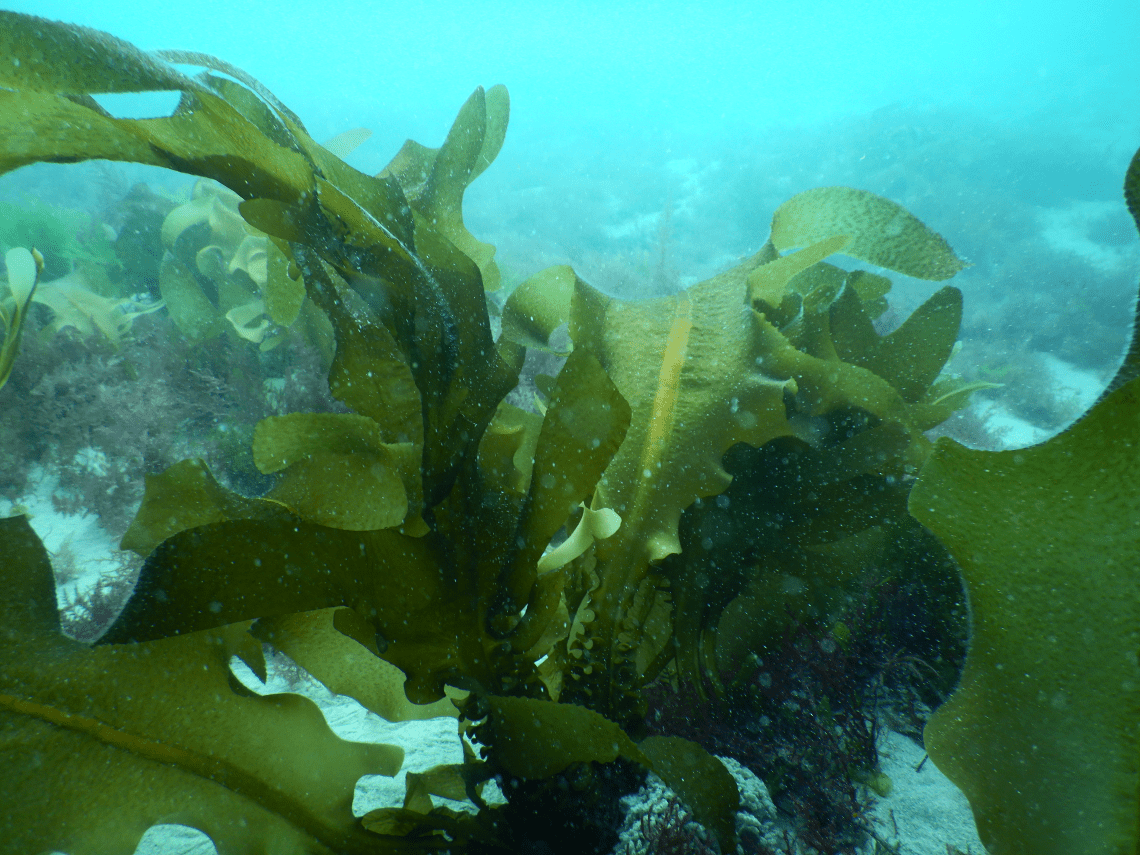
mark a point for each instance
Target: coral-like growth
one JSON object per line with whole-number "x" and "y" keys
{"x": 672, "y": 832}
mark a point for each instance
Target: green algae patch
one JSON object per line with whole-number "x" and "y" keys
{"x": 1043, "y": 733}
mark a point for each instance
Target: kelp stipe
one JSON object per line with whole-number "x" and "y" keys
{"x": 23, "y": 268}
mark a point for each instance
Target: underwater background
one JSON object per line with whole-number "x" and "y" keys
{"x": 649, "y": 144}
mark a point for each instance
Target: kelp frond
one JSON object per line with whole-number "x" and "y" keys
{"x": 24, "y": 268}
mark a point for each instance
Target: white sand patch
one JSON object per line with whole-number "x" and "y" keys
{"x": 426, "y": 744}
{"x": 924, "y": 813}
{"x": 1069, "y": 382}
{"x": 638, "y": 226}
{"x": 1067, "y": 229}
{"x": 1076, "y": 387}
{"x": 82, "y": 552}
{"x": 1011, "y": 430}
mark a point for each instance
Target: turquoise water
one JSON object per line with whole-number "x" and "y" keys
{"x": 624, "y": 72}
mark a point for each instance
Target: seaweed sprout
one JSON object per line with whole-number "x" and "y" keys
{"x": 86, "y": 611}
{"x": 672, "y": 831}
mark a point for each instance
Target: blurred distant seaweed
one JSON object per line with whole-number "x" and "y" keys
{"x": 75, "y": 303}
{"x": 79, "y": 266}
{"x": 66, "y": 237}
{"x": 220, "y": 274}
